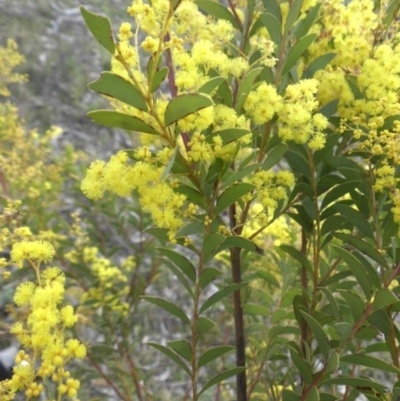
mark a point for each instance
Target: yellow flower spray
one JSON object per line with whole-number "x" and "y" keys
{"x": 48, "y": 349}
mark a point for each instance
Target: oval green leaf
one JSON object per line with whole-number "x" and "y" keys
{"x": 231, "y": 195}
{"x": 180, "y": 261}
{"x": 204, "y": 324}
{"x": 183, "y": 105}
{"x": 121, "y": 120}
{"x": 230, "y": 289}
{"x": 100, "y": 28}
{"x": 171, "y": 355}
{"x": 119, "y": 88}
{"x": 210, "y": 85}
{"x": 356, "y": 268}
{"x": 218, "y": 11}
{"x": 222, "y": 376}
{"x": 297, "y": 51}
{"x": 168, "y": 306}
{"x": 213, "y": 353}
{"x": 182, "y": 348}
{"x": 319, "y": 334}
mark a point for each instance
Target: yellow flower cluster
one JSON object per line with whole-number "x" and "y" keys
{"x": 271, "y": 186}
{"x": 43, "y": 331}
{"x": 109, "y": 286}
{"x": 345, "y": 28}
{"x": 120, "y": 177}
{"x": 263, "y": 103}
{"x": 10, "y": 58}
{"x": 295, "y": 111}
{"x": 297, "y": 122}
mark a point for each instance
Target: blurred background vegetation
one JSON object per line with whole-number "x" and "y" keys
{"x": 61, "y": 58}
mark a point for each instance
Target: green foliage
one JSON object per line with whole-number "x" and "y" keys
{"x": 270, "y": 180}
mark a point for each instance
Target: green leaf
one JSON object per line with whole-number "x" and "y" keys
{"x": 357, "y": 269}
{"x": 298, "y": 163}
{"x": 383, "y": 298}
{"x": 333, "y": 304}
{"x": 256, "y": 310}
{"x": 168, "y": 167}
{"x": 191, "y": 194}
{"x": 159, "y": 76}
{"x": 210, "y": 85}
{"x": 318, "y": 64}
{"x": 228, "y": 135}
{"x": 218, "y": 11}
{"x": 274, "y": 156}
{"x": 119, "y": 88}
{"x": 356, "y": 304}
{"x": 224, "y": 292}
{"x": 367, "y": 332}
{"x": 333, "y": 223}
{"x": 194, "y": 227}
{"x": 121, "y": 120}
{"x": 213, "y": 353}
{"x": 356, "y": 218}
{"x": 210, "y": 245}
{"x": 171, "y": 355}
{"x": 273, "y": 26}
{"x": 268, "y": 277}
{"x": 329, "y": 109}
{"x": 293, "y": 14}
{"x": 179, "y": 275}
{"x": 331, "y": 141}
{"x": 333, "y": 363}
{"x": 204, "y": 324}
{"x": 297, "y": 255}
{"x": 337, "y": 192}
{"x": 238, "y": 175}
{"x": 391, "y": 12}
{"x": 289, "y": 395}
{"x": 207, "y": 275}
{"x": 380, "y": 320}
{"x": 363, "y": 247}
{"x": 245, "y": 87}
{"x": 273, "y": 7}
{"x": 308, "y": 21}
{"x": 234, "y": 241}
{"x": 302, "y": 366}
{"x": 181, "y": 347}
{"x": 297, "y": 51}
{"x": 225, "y": 93}
{"x": 354, "y": 87}
{"x": 389, "y": 121}
{"x": 100, "y": 28}
{"x": 313, "y": 395}
{"x": 168, "y": 306}
{"x": 159, "y": 233}
{"x": 319, "y": 334}
{"x": 232, "y": 195}
{"x": 354, "y": 382}
{"x": 344, "y": 330}
{"x": 180, "y": 261}
{"x": 183, "y": 105}
{"x": 222, "y": 376}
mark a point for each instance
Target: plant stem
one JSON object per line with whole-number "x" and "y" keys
{"x": 241, "y": 385}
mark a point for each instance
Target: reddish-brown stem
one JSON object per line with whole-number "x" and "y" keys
{"x": 132, "y": 369}
{"x": 241, "y": 385}
{"x": 329, "y": 272}
{"x": 172, "y": 86}
{"x": 304, "y": 284}
{"x": 106, "y": 378}
{"x": 235, "y": 14}
{"x": 394, "y": 274}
